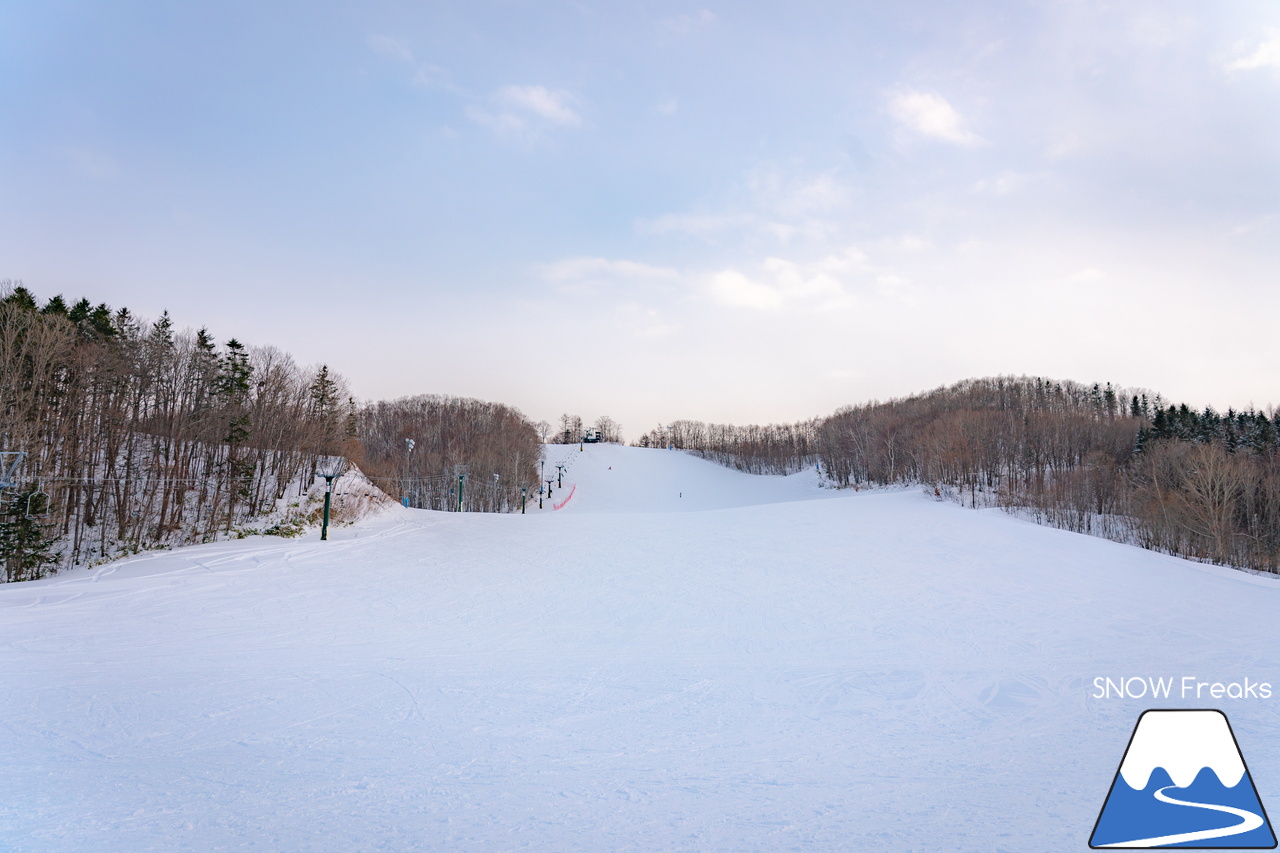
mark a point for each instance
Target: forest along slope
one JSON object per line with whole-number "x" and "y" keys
{"x": 769, "y": 672}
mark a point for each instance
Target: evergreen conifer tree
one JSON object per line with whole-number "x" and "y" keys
{"x": 26, "y": 546}
{"x": 22, "y": 298}
{"x": 234, "y": 373}
{"x": 162, "y": 330}
{"x": 80, "y": 311}
{"x": 323, "y": 392}
{"x": 100, "y": 321}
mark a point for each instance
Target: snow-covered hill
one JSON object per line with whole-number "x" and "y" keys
{"x": 684, "y": 657}
{"x": 636, "y": 479}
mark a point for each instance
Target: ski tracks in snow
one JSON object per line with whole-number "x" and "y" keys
{"x": 873, "y": 671}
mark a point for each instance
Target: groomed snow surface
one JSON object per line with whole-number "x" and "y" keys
{"x": 684, "y": 657}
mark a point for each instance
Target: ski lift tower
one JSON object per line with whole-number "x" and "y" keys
{"x": 331, "y": 468}
{"x": 9, "y": 462}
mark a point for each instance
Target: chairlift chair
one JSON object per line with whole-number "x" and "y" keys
{"x": 37, "y": 505}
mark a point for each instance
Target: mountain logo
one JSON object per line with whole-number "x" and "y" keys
{"x": 1183, "y": 783}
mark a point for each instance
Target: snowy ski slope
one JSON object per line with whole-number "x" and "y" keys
{"x": 684, "y": 657}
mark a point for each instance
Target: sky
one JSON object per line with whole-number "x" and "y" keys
{"x": 746, "y": 212}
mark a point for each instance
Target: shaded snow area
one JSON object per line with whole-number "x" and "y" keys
{"x": 759, "y": 664}
{"x": 354, "y": 499}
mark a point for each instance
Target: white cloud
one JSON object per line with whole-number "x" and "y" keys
{"x": 503, "y": 124}
{"x": 696, "y": 224}
{"x": 821, "y": 194}
{"x": 657, "y": 330}
{"x": 733, "y": 288}
{"x": 930, "y": 115}
{"x": 782, "y": 231}
{"x": 821, "y": 283}
{"x": 572, "y": 269}
{"x": 523, "y": 111}
{"x": 683, "y": 25}
{"x": 808, "y": 229}
{"x": 390, "y": 48}
{"x": 908, "y": 243}
{"x": 1068, "y": 145}
{"x": 542, "y": 102}
{"x": 1259, "y": 224}
{"x": 796, "y": 281}
{"x": 1010, "y": 182}
{"x": 1162, "y": 27}
{"x": 791, "y": 196}
{"x": 1266, "y": 56}
{"x": 890, "y": 285}
{"x": 425, "y": 75}
{"x": 668, "y": 107}
{"x": 646, "y": 322}
{"x": 435, "y": 77}
{"x": 781, "y": 202}
{"x": 851, "y": 261}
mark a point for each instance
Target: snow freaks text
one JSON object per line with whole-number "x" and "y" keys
{"x": 1186, "y": 687}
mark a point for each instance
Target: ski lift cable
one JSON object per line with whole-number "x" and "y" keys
{"x": 142, "y": 478}
{"x": 144, "y": 481}
{"x": 139, "y": 480}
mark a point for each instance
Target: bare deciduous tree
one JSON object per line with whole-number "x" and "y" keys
{"x": 609, "y": 429}
{"x": 455, "y": 438}
{"x": 1075, "y": 456}
{"x": 142, "y": 436}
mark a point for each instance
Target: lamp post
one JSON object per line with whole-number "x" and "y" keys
{"x": 540, "y": 497}
{"x": 331, "y": 468}
{"x": 408, "y": 451}
{"x": 524, "y": 494}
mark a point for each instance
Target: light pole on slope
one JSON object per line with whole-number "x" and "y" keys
{"x": 331, "y": 468}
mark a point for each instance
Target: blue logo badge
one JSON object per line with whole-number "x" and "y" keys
{"x": 1183, "y": 783}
